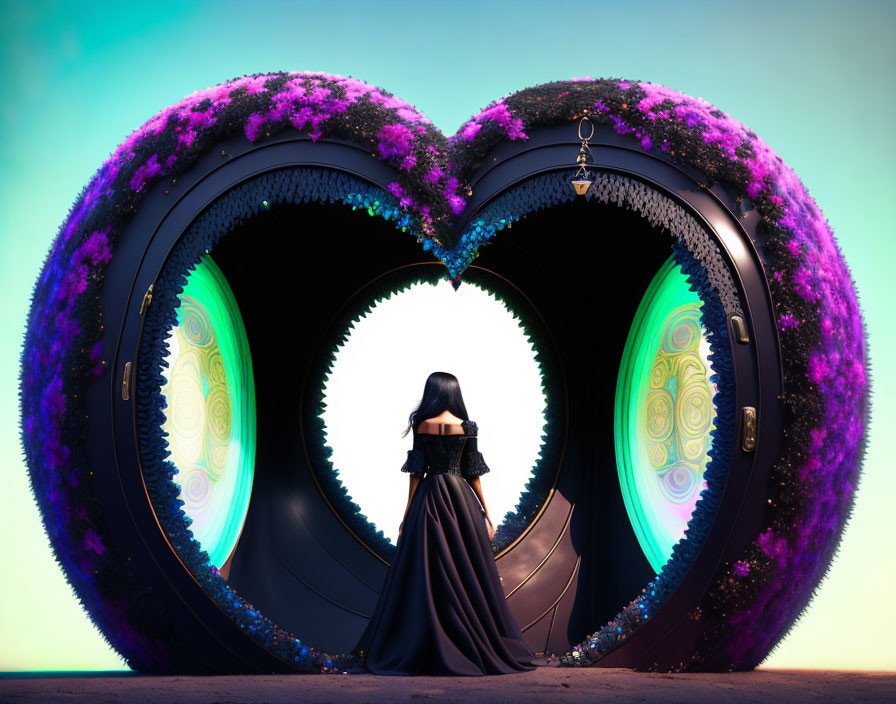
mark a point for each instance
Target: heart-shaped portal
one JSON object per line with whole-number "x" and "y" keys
{"x": 238, "y": 314}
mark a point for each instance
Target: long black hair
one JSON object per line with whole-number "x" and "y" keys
{"x": 441, "y": 393}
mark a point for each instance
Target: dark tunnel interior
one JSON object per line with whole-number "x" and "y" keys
{"x": 584, "y": 266}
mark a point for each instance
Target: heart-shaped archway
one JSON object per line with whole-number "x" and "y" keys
{"x": 677, "y": 183}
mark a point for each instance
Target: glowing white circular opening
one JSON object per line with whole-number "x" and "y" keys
{"x": 377, "y": 379}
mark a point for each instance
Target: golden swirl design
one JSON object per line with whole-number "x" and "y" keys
{"x": 186, "y": 418}
{"x": 199, "y": 413}
{"x": 189, "y": 363}
{"x": 217, "y": 374}
{"x": 217, "y": 404}
{"x": 661, "y": 371}
{"x": 693, "y": 410}
{"x": 193, "y": 323}
{"x": 209, "y": 382}
{"x": 693, "y": 449}
{"x": 678, "y": 411}
{"x": 682, "y": 331}
{"x": 195, "y": 490}
{"x": 679, "y": 482}
{"x": 691, "y": 369}
{"x": 216, "y": 460}
{"x": 660, "y": 415}
{"x": 659, "y": 455}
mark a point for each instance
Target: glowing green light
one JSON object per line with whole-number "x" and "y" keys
{"x": 664, "y": 413}
{"x": 210, "y": 414}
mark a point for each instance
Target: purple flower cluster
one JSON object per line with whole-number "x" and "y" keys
{"x": 498, "y": 113}
{"x": 304, "y": 102}
{"x": 395, "y": 140}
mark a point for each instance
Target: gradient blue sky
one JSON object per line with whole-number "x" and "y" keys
{"x": 814, "y": 79}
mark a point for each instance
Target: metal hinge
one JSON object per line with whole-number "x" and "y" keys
{"x": 147, "y": 299}
{"x": 750, "y": 431}
{"x": 126, "y": 382}
{"x": 740, "y": 329}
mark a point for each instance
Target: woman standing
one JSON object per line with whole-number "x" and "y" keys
{"x": 442, "y": 610}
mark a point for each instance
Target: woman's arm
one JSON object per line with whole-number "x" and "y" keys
{"x": 414, "y": 480}
{"x": 416, "y": 467}
{"x": 473, "y": 466}
{"x": 477, "y": 489}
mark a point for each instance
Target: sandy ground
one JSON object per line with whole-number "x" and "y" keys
{"x": 544, "y": 685}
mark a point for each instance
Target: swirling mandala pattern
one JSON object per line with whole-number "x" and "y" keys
{"x": 209, "y": 415}
{"x": 686, "y": 412}
{"x": 665, "y": 413}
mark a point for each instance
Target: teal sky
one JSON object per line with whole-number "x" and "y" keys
{"x": 814, "y": 79}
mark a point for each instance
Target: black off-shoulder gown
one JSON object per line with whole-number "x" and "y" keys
{"x": 442, "y": 610}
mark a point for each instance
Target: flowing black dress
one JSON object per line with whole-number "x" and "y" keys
{"x": 442, "y": 610}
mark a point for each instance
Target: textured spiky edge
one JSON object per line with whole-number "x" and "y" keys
{"x": 537, "y": 488}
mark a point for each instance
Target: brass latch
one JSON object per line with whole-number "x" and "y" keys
{"x": 740, "y": 329}
{"x": 749, "y": 429}
{"x": 126, "y": 382}
{"x": 147, "y": 299}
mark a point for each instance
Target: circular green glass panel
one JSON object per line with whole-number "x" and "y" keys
{"x": 210, "y": 410}
{"x": 664, "y": 413}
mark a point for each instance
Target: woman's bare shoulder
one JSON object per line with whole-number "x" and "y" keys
{"x": 444, "y": 417}
{"x": 443, "y": 424}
